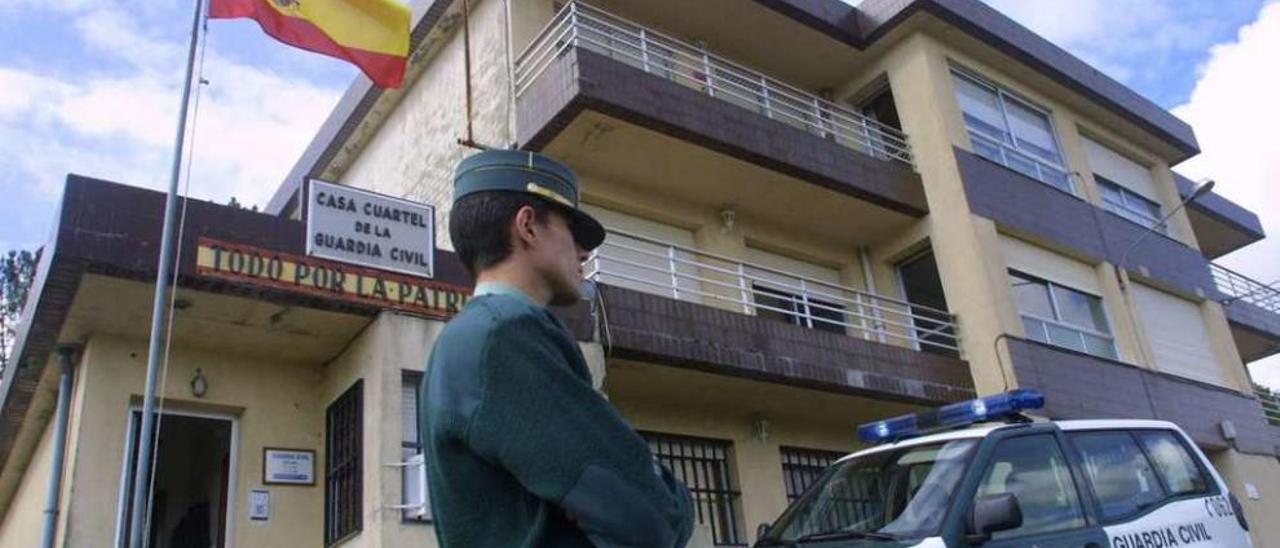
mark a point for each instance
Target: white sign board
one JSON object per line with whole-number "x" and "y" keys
{"x": 288, "y": 466}
{"x": 360, "y": 227}
{"x": 259, "y": 505}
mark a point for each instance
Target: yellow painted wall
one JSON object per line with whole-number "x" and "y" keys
{"x": 1237, "y": 469}
{"x": 390, "y": 345}
{"x": 21, "y": 526}
{"x": 274, "y": 403}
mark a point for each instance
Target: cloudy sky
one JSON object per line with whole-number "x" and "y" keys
{"x": 92, "y": 86}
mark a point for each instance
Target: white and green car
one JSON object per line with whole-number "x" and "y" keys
{"x": 1015, "y": 483}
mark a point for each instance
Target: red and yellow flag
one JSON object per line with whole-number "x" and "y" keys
{"x": 371, "y": 34}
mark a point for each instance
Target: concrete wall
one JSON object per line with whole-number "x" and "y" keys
{"x": 414, "y": 152}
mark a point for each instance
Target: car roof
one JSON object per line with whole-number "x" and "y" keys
{"x": 982, "y": 430}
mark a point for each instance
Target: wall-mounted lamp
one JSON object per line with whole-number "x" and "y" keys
{"x": 727, "y": 218}
{"x": 760, "y": 429}
{"x": 199, "y": 384}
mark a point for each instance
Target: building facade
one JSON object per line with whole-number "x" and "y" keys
{"x": 819, "y": 215}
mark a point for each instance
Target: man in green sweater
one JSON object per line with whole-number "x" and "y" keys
{"x": 521, "y": 451}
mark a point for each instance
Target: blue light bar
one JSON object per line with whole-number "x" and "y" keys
{"x": 963, "y": 413}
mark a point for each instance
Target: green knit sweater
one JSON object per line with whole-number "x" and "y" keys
{"x": 521, "y": 451}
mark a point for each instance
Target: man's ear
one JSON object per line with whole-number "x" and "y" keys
{"x": 523, "y": 225}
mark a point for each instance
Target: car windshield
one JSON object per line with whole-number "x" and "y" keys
{"x": 898, "y": 493}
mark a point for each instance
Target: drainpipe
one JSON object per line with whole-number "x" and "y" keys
{"x": 65, "y": 355}
{"x": 869, "y": 281}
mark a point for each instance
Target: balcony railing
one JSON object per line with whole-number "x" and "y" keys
{"x": 1239, "y": 287}
{"x": 1270, "y": 404}
{"x": 583, "y": 26}
{"x": 658, "y": 267}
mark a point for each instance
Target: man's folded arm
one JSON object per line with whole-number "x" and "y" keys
{"x": 564, "y": 443}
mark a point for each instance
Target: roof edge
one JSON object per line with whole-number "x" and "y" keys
{"x": 873, "y": 19}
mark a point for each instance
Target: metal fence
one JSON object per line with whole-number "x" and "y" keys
{"x": 1270, "y": 404}
{"x": 655, "y": 266}
{"x": 1239, "y": 287}
{"x": 582, "y": 26}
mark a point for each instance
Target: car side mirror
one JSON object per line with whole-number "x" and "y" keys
{"x": 762, "y": 530}
{"x": 991, "y": 513}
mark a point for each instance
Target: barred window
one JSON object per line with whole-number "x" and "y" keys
{"x": 343, "y": 489}
{"x": 802, "y": 467}
{"x": 703, "y": 465}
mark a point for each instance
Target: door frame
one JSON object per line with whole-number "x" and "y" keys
{"x": 126, "y": 468}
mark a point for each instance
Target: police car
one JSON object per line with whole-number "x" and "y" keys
{"x": 1010, "y": 482}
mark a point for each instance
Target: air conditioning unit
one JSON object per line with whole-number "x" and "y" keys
{"x": 413, "y": 474}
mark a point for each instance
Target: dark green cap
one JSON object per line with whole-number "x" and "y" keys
{"x": 530, "y": 173}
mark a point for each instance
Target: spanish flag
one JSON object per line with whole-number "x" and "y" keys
{"x": 371, "y": 34}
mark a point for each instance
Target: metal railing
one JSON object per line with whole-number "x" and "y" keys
{"x": 1270, "y": 404}
{"x": 1239, "y": 287}
{"x": 580, "y": 25}
{"x": 658, "y": 267}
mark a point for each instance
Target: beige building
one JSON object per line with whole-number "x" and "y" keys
{"x": 819, "y": 215}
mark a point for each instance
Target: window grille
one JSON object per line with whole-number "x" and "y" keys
{"x": 343, "y": 488}
{"x": 703, "y": 465}
{"x": 802, "y": 467}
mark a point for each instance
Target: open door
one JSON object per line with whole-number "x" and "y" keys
{"x": 190, "y": 490}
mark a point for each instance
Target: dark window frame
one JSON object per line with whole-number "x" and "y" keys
{"x": 805, "y": 310}
{"x": 344, "y": 466}
{"x": 705, "y": 465}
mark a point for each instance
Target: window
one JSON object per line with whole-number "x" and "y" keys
{"x": 1034, "y": 469}
{"x": 1062, "y": 316}
{"x": 411, "y": 445}
{"x": 1010, "y": 131}
{"x": 1174, "y": 463}
{"x": 1130, "y": 205}
{"x": 802, "y": 467}
{"x": 343, "y": 489}
{"x": 1119, "y": 474}
{"x": 802, "y": 310}
{"x": 904, "y": 492}
{"x": 703, "y": 465}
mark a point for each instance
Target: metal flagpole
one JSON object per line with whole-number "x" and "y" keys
{"x": 139, "y": 507}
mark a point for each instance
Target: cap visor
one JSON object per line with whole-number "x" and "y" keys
{"x": 587, "y": 231}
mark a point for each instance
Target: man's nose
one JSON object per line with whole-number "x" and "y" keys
{"x": 583, "y": 254}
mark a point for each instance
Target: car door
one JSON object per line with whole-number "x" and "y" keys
{"x": 1035, "y": 469}
{"x": 1149, "y": 490}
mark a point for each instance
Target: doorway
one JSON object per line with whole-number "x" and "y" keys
{"x": 922, "y": 287}
{"x": 191, "y": 493}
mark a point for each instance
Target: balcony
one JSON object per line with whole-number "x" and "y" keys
{"x": 579, "y": 25}
{"x": 672, "y": 305}
{"x": 629, "y": 103}
{"x": 1253, "y": 310}
{"x": 1220, "y": 225}
{"x": 652, "y": 266}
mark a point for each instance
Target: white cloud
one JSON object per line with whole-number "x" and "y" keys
{"x": 117, "y": 120}
{"x": 1235, "y": 113}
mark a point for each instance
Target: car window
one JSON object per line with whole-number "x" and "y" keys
{"x": 1118, "y": 472}
{"x": 1173, "y": 462}
{"x": 1035, "y": 471}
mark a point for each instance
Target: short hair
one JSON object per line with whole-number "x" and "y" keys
{"x": 480, "y": 226}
